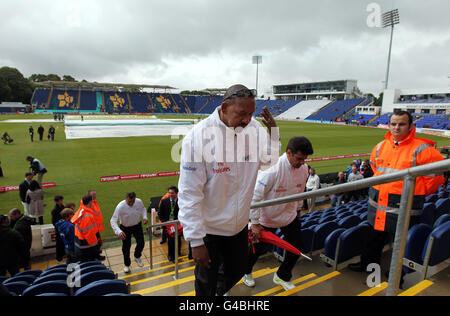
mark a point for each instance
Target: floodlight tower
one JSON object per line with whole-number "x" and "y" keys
{"x": 257, "y": 60}
{"x": 390, "y": 18}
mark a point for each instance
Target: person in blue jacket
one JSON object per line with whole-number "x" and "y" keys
{"x": 66, "y": 230}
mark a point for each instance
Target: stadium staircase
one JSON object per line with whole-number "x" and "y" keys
{"x": 331, "y": 237}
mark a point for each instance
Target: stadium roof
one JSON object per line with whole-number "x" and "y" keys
{"x": 216, "y": 91}
{"x": 99, "y": 85}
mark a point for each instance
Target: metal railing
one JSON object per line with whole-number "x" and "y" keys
{"x": 408, "y": 176}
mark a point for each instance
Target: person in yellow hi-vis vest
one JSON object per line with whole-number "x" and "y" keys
{"x": 400, "y": 150}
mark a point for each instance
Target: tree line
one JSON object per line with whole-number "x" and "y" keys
{"x": 14, "y": 87}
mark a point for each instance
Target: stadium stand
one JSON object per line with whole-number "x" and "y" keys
{"x": 336, "y": 109}
{"x": 303, "y": 109}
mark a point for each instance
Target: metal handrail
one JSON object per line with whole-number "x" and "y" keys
{"x": 408, "y": 176}
{"x": 150, "y": 235}
{"x": 432, "y": 168}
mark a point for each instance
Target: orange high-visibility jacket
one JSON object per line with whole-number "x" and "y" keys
{"x": 85, "y": 228}
{"x": 387, "y": 157}
{"x": 98, "y": 216}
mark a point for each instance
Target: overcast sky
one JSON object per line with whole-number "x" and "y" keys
{"x": 200, "y": 44}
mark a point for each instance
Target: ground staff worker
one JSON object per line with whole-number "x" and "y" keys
{"x": 86, "y": 230}
{"x": 400, "y": 150}
{"x": 287, "y": 177}
{"x": 98, "y": 217}
{"x": 215, "y": 194}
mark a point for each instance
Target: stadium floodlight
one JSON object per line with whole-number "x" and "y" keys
{"x": 257, "y": 60}
{"x": 390, "y": 18}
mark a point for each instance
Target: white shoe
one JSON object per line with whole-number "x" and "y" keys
{"x": 248, "y": 280}
{"x": 126, "y": 269}
{"x": 227, "y": 293}
{"x": 139, "y": 262}
{"x": 286, "y": 285}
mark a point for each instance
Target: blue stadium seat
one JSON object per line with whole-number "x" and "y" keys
{"x": 52, "y": 271}
{"x": 331, "y": 243}
{"x": 88, "y": 263}
{"x": 3, "y": 278}
{"x": 88, "y": 269}
{"x": 25, "y": 278}
{"x": 429, "y": 214}
{"x": 309, "y": 223}
{"x": 352, "y": 242}
{"x": 343, "y": 245}
{"x": 99, "y": 288}
{"x": 326, "y": 219}
{"x": 17, "y": 287}
{"x": 415, "y": 242}
{"x": 441, "y": 241}
{"x": 363, "y": 216}
{"x": 35, "y": 273}
{"x": 344, "y": 214}
{"x": 349, "y": 221}
{"x": 47, "y": 287}
{"x": 321, "y": 232}
{"x": 51, "y": 277}
{"x": 431, "y": 198}
{"x": 441, "y": 220}
{"x": 442, "y": 207}
{"x": 59, "y": 266}
{"x": 96, "y": 276}
{"x": 53, "y": 294}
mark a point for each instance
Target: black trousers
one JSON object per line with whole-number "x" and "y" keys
{"x": 86, "y": 255}
{"x": 228, "y": 264}
{"x": 60, "y": 248}
{"x": 171, "y": 246}
{"x": 376, "y": 240}
{"x": 138, "y": 234}
{"x": 292, "y": 234}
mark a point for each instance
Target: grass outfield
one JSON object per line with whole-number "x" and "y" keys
{"x": 77, "y": 165}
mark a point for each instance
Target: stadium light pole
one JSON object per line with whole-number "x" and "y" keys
{"x": 390, "y": 18}
{"x": 257, "y": 60}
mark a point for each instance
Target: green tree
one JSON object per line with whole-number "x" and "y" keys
{"x": 68, "y": 78}
{"x": 14, "y": 87}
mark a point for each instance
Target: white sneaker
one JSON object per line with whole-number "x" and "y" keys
{"x": 139, "y": 262}
{"x": 248, "y": 280}
{"x": 286, "y": 285}
{"x": 227, "y": 293}
{"x": 126, "y": 269}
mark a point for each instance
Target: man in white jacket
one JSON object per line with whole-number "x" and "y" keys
{"x": 287, "y": 177}
{"x": 220, "y": 159}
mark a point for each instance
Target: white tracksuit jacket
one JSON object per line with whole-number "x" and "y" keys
{"x": 217, "y": 177}
{"x": 278, "y": 181}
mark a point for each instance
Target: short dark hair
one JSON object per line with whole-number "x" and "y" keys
{"x": 131, "y": 195}
{"x": 34, "y": 185}
{"x": 15, "y": 211}
{"x": 69, "y": 205}
{"x": 401, "y": 113}
{"x": 58, "y": 198}
{"x": 87, "y": 199}
{"x": 28, "y": 174}
{"x": 300, "y": 143}
{"x": 172, "y": 187}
